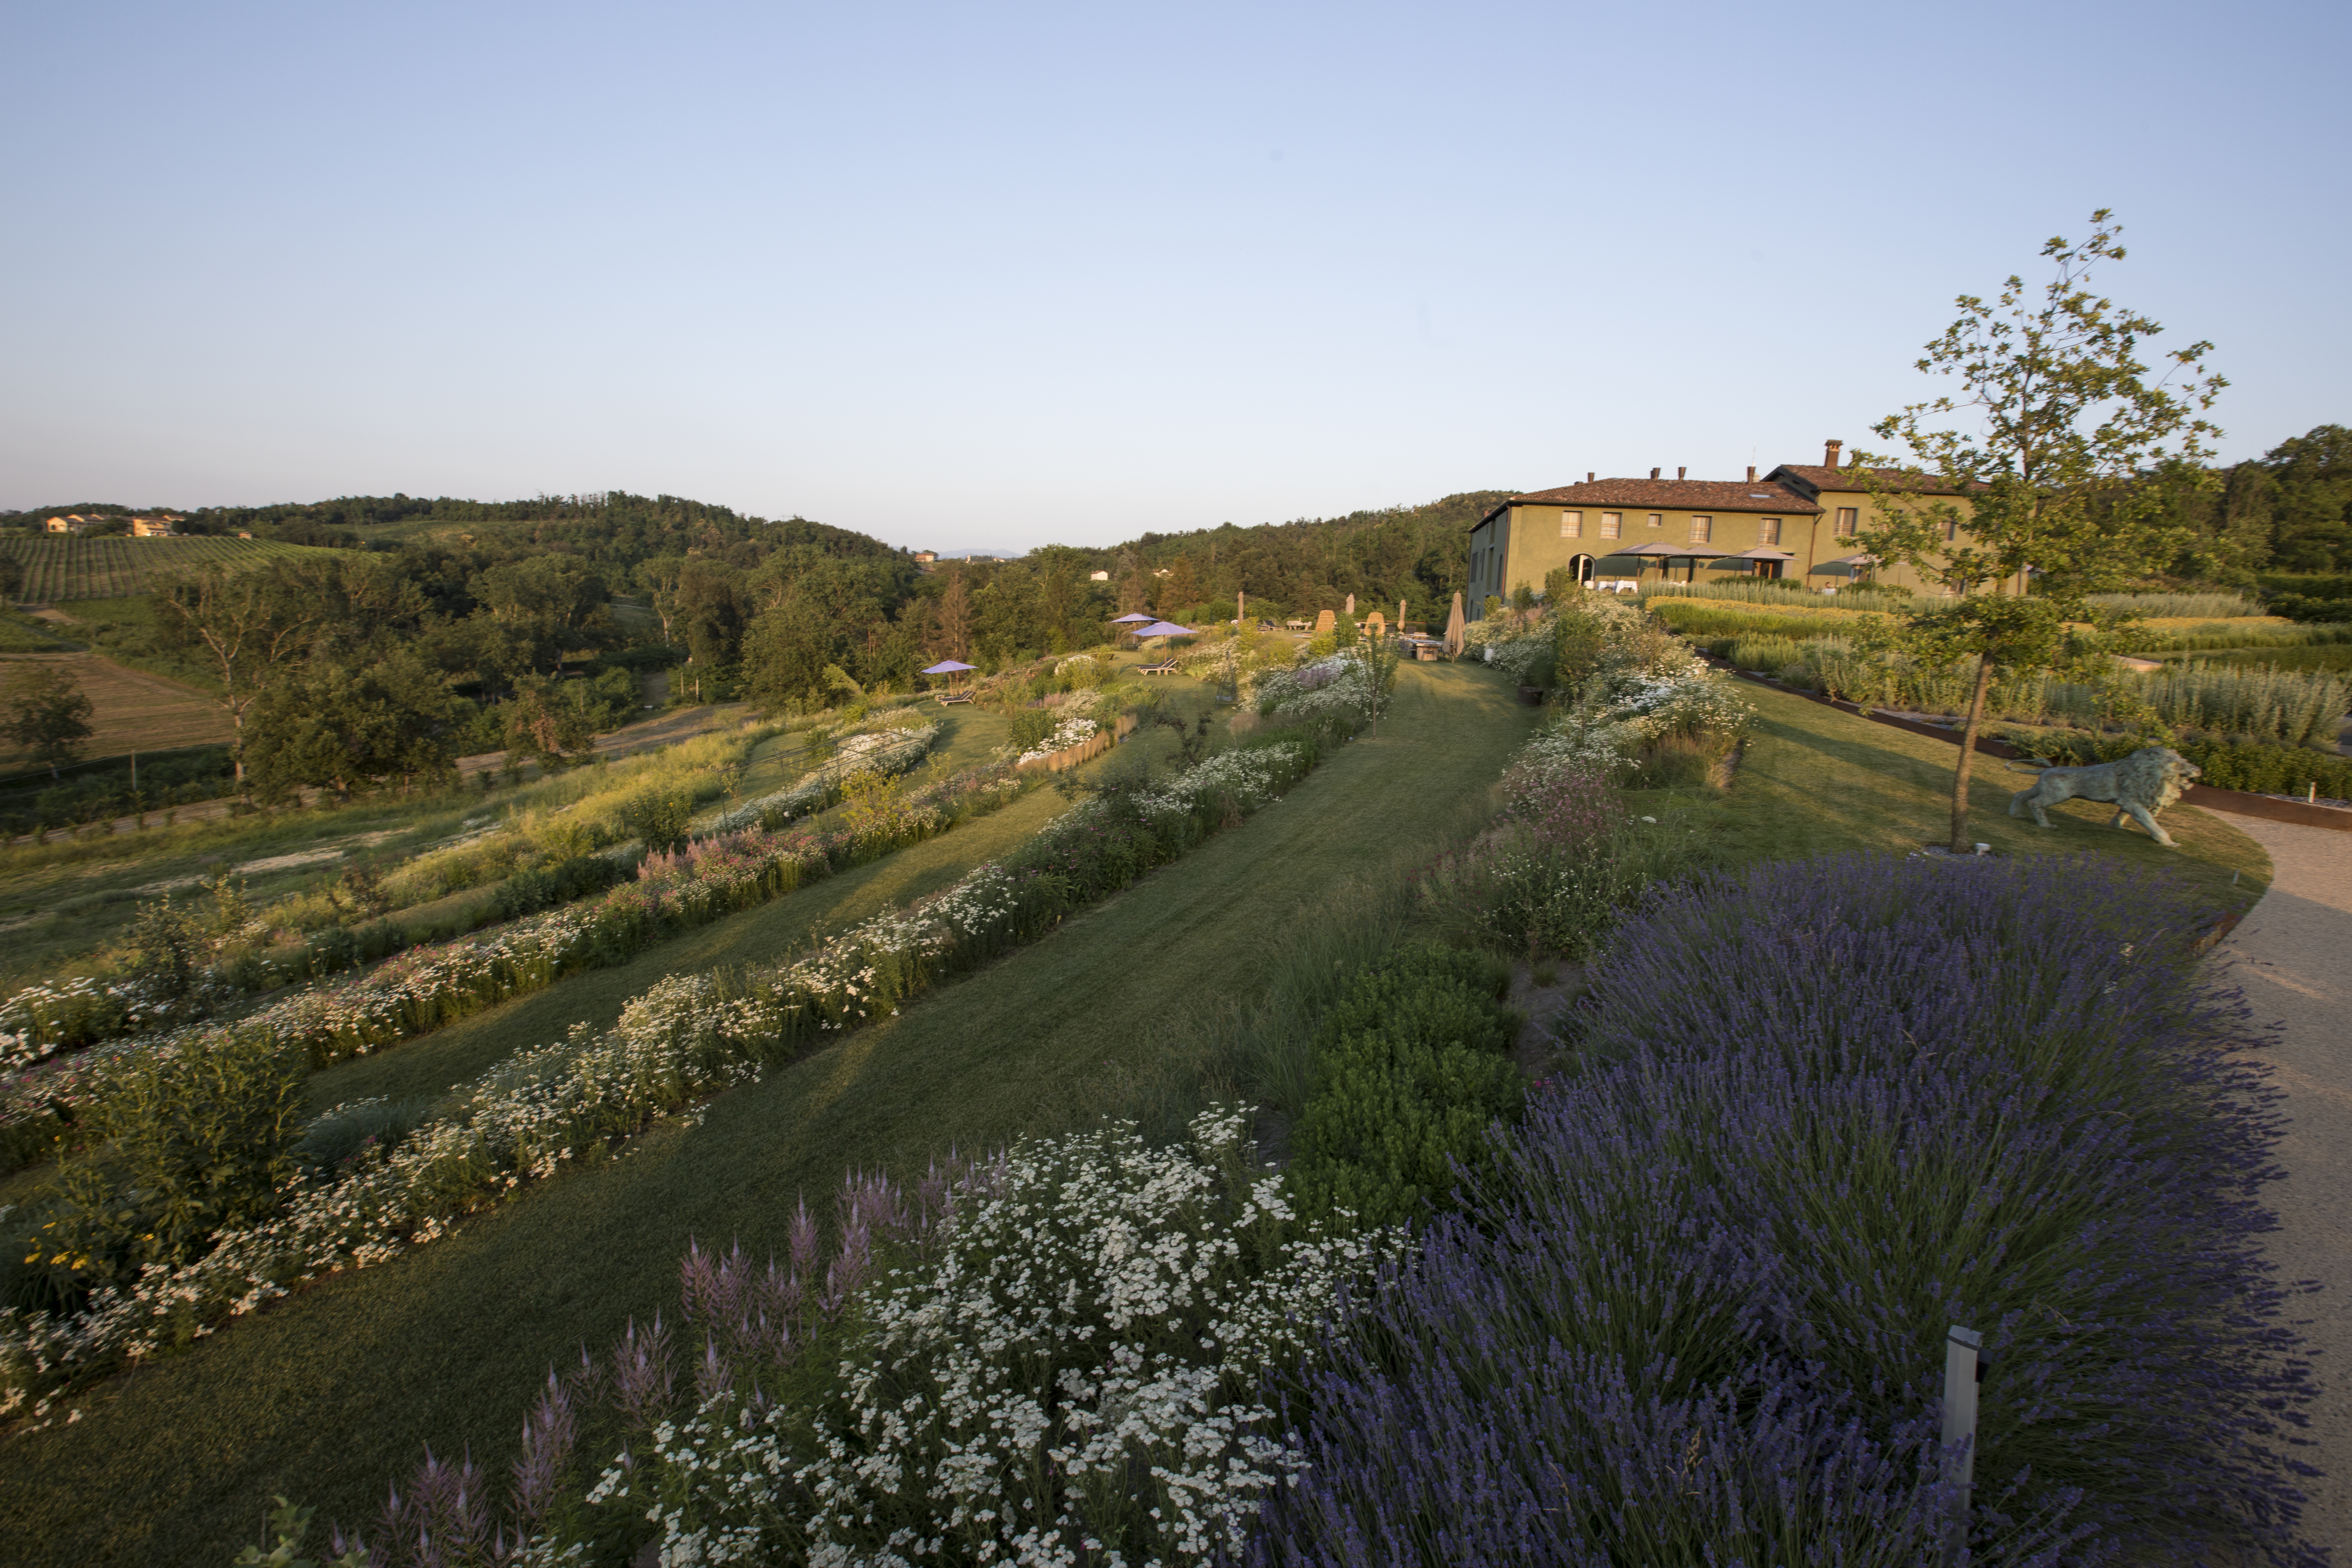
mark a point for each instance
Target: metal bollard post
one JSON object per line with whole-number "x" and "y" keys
{"x": 1964, "y": 1361}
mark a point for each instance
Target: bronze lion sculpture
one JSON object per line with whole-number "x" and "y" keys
{"x": 2140, "y": 785}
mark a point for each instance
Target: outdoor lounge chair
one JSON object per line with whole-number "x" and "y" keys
{"x": 1167, "y": 668}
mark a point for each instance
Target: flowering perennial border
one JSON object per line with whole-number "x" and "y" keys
{"x": 686, "y": 1038}
{"x": 1078, "y": 1359}
{"x": 885, "y": 753}
{"x": 427, "y": 988}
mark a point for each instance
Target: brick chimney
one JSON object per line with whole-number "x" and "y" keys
{"x": 1830, "y": 451}
{"x": 1588, "y": 476}
{"x": 1654, "y": 473}
{"x": 1682, "y": 473}
{"x": 1751, "y": 473}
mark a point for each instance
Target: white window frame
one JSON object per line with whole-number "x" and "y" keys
{"x": 1702, "y": 530}
{"x": 1612, "y": 525}
{"x": 1768, "y": 530}
{"x": 1572, "y": 524}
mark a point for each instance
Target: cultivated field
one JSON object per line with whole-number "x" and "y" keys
{"x": 135, "y": 712}
{"x": 64, "y": 567}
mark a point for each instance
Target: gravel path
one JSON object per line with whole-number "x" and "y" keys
{"x": 2294, "y": 956}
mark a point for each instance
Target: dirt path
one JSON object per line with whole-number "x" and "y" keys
{"x": 2292, "y": 954}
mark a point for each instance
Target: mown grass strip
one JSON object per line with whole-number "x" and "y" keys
{"x": 337, "y": 1390}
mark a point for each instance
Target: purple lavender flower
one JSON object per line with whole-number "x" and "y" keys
{"x": 1821, "y": 1110}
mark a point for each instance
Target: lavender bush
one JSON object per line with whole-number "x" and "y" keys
{"x": 1694, "y": 1313}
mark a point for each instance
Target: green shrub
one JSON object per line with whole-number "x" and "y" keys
{"x": 2305, "y": 608}
{"x": 527, "y": 892}
{"x": 1412, "y": 1066}
{"x": 1030, "y": 726}
{"x": 659, "y": 817}
{"x": 349, "y": 1129}
{"x": 2314, "y": 584}
{"x": 184, "y": 1143}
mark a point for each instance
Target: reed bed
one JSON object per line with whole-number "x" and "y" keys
{"x": 2169, "y": 606}
{"x": 1789, "y": 596}
{"x": 2218, "y": 635}
{"x": 2289, "y": 707}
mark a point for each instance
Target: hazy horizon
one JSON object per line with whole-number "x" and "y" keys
{"x": 1038, "y": 274}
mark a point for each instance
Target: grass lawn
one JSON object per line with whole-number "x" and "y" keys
{"x": 329, "y": 1395}
{"x": 1814, "y": 780}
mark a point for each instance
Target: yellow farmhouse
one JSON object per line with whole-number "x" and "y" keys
{"x": 1800, "y": 523}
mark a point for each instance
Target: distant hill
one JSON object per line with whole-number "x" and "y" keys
{"x": 609, "y": 527}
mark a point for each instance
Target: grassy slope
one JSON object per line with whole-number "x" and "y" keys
{"x": 329, "y": 1395}
{"x": 1816, "y": 781}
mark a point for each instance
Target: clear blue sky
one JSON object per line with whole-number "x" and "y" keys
{"x": 994, "y": 276}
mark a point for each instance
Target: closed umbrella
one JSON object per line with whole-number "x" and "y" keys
{"x": 1664, "y": 554}
{"x": 1454, "y": 623}
{"x": 1762, "y": 556}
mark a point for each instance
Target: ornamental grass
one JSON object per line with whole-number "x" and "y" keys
{"x": 1820, "y": 1112}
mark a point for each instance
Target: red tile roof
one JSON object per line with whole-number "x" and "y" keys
{"x": 1850, "y": 479}
{"x": 1664, "y": 495}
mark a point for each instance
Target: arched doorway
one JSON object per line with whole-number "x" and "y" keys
{"x": 1581, "y": 566}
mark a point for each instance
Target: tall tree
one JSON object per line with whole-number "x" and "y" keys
{"x": 2311, "y": 508}
{"x": 246, "y": 628}
{"x": 344, "y": 729}
{"x": 1180, "y": 588}
{"x": 955, "y": 617}
{"x": 2063, "y": 424}
{"x": 48, "y": 713}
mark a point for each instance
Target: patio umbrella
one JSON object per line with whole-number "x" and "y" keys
{"x": 1128, "y": 620}
{"x": 1165, "y": 629}
{"x": 949, "y": 668}
{"x": 1454, "y": 628}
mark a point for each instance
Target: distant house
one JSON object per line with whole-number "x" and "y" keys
{"x": 1800, "y": 522}
{"x": 1097, "y": 576}
{"x": 154, "y": 527}
{"x": 72, "y": 523}
{"x": 924, "y": 557}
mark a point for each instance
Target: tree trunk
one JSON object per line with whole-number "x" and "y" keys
{"x": 1961, "y": 843}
